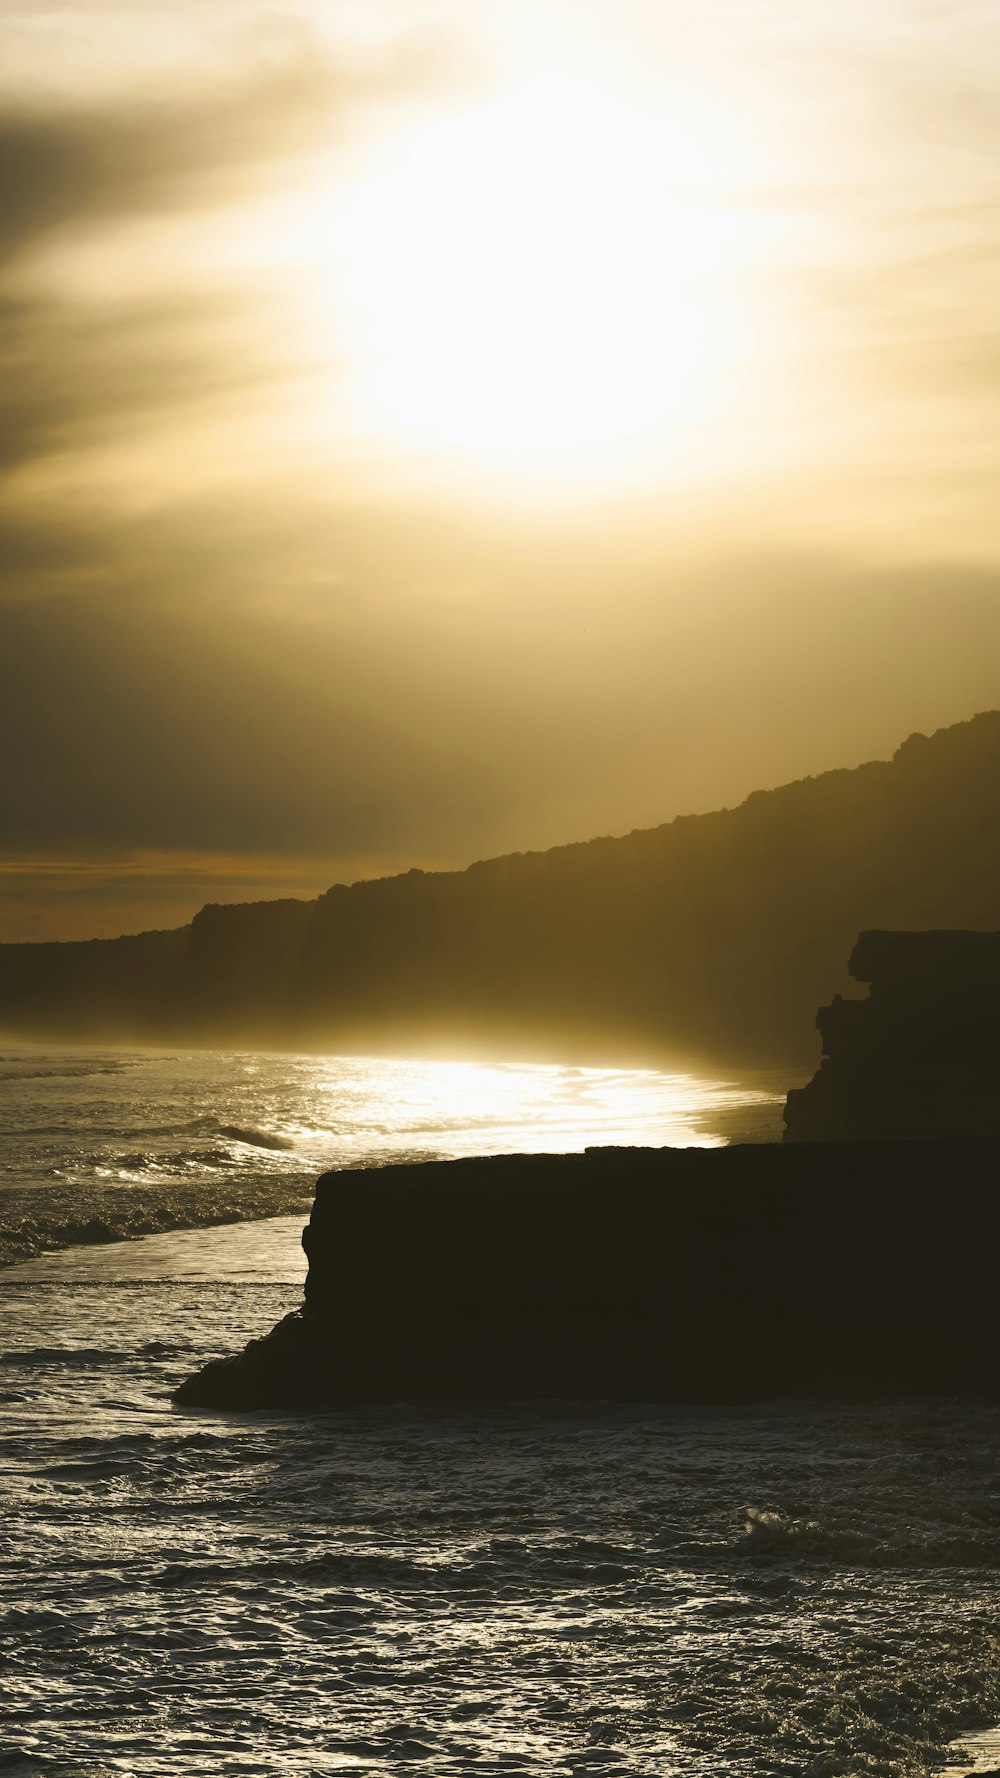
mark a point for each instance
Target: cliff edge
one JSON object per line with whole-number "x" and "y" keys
{"x": 685, "y": 1275}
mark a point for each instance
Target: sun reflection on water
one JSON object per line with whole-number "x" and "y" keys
{"x": 464, "y": 1108}
{"x": 98, "y": 1146}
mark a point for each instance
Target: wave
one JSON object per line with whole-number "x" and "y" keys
{"x": 41, "y": 1220}
{"x": 143, "y": 1132}
{"x": 89, "y": 1357}
{"x": 72, "y": 1071}
{"x": 256, "y": 1138}
{"x": 775, "y": 1537}
{"x": 123, "y": 1132}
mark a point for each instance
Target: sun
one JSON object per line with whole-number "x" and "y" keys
{"x": 536, "y": 290}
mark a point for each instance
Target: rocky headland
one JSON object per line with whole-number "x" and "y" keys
{"x": 688, "y": 1275}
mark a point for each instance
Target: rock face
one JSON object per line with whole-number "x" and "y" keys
{"x": 688, "y": 1275}
{"x": 920, "y": 1057}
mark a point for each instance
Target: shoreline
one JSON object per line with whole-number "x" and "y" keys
{"x": 112, "y": 1216}
{"x": 267, "y": 1252}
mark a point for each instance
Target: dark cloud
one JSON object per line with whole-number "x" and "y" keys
{"x": 36, "y": 551}
{"x": 74, "y": 374}
{"x": 408, "y": 730}
{"x": 79, "y": 369}
{"x": 176, "y": 724}
{"x": 77, "y": 166}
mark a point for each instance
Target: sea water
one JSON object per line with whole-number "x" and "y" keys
{"x": 544, "y": 1589}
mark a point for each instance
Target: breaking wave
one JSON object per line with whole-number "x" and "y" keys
{"x": 257, "y": 1138}
{"x": 770, "y": 1536}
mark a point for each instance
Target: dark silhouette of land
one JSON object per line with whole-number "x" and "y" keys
{"x": 844, "y": 1267}
{"x": 920, "y": 1057}
{"x": 710, "y": 1275}
{"x": 715, "y": 935}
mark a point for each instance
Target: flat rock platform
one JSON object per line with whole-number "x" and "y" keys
{"x": 821, "y": 1269}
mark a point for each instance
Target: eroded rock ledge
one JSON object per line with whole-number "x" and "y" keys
{"x": 688, "y": 1275}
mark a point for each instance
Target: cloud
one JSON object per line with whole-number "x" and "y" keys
{"x": 86, "y": 364}
{"x": 74, "y": 374}
{"x": 160, "y": 751}
{"x": 161, "y": 722}
{"x": 74, "y": 166}
{"x": 399, "y": 727}
{"x": 200, "y": 676}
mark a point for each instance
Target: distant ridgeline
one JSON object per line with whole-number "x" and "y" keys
{"x": 713, "y": 935}
{"x": 920, "y": 1057}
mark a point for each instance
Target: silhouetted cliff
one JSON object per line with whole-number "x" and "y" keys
{"x": 96, "y": 987}
{"x": 713, "y": 935}
{"x": 729, "y": 1274}
{"x": 920, "y": 1057}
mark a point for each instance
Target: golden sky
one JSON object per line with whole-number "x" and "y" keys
{"x": 435, "y": 429}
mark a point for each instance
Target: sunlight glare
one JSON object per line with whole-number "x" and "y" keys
{"x": 542, "y": 286}
{"x": 468, "y": 1108}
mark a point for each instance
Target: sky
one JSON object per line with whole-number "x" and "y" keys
{"x": 435, "y": 428}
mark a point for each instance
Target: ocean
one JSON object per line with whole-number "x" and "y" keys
{"x": 807, "y": 1589}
